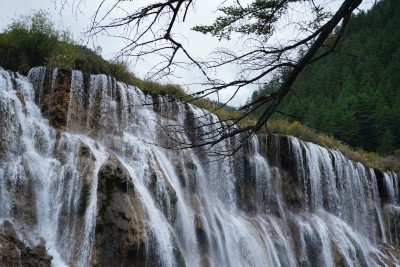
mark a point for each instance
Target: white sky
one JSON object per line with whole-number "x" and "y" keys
{"x": 198, "y": 44}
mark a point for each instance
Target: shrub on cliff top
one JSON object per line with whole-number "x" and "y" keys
{"x": 27, "y": 41}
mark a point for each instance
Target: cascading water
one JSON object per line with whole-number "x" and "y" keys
{"x": 79, "y": 168}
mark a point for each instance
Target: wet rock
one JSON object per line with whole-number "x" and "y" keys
{"x": 15, "y": 253}
{"x": 55, "y": 101}
{"x": 22, "y": 100}
{"x": 291, "y": 191}
{"x": 187, "y": 174}
{"x": 390, "y": 256}
{"x": 314, "y": 248}
{"x": 120, "y": 225}
{"x": 280, "y": 155}
{"x": 163, "y": 194}
{"x": 337, "y": 257}
{"x": 246, "y": 181}
{"x": 382, "y": 189}
{"x": 201, "y": 234}
{"x": 192, "y": 131}
{"x": 271, "y": 148}
{"x": 23, "y": 204}
{"x": 86, "y": 166}
{"x": 156, "y": 103}
{"x": 392, "y": 216}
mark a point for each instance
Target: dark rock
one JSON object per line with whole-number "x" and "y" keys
{"x": 156, "y": 103}
{"x": 15, "y": 253}
{"x": 392, "y": 217}
{"x": 9, "y": 230}
{"x": 383, "y": 193}
{"x": 279, "y": 153}
{"x": 246, "y": 181}
{"x": 337, "y": 257}
{"x": 24, "y": 203}
{"x": 86, "y": 167}
{"x": 291, "y": 191}
{"x": 22, "y": 100}
{"x": 187, "y": 174}
{"x": 166, "y": 197}
{"x": 314, "y": 247}
{"x": 55, "y": 101}
{"x": 392, "y": 255}
{"x": 272, "y": 149}
{"x": 120, "y": 226}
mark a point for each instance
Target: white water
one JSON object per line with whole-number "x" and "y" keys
{"x": 227, "y": 212}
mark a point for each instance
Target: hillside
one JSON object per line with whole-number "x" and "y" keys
{"x": 354, "y": 93}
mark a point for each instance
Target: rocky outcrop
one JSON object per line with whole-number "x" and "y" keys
{"x": 391, "y": 255}
{"x": 24, "y": 203}
{"x": 86, "y": 166}
{"x": 246, "y": 183}
{"x": 120, "y": 226}
{"x": 392, "y": 216}
{"x": 15, "y": 253}
{"x": 54, "y": 96}
{"x": 281, "y": 155}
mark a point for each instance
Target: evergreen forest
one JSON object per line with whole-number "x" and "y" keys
{"x": 354, "y": 92}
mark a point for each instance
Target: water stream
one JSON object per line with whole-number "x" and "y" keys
{"x": 298, "y": 204}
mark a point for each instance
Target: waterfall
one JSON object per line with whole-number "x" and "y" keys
{"x": 82, "y": 166}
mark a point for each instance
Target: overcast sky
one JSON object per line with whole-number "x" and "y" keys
{"x": 200, "y": 45}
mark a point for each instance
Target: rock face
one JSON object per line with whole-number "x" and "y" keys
{"x": 392, "y": 216}
{"x": 282, "y": 155}
{"x": 120, "y": 226}
{"x": 54, "y": 100}
{"x": 15, "y": 253}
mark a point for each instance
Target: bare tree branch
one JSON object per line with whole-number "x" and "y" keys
{"x": 152, "y": 30}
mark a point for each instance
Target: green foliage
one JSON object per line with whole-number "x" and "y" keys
{"x": 223, "y": 113}
{"x": 262, "y": 14}
{"x": 63, "y": 56}
{"x": 258, "y": 17}
{"x": 386, "y": 142}
{"x": 354, "y": 95}
{"x": 119, "y": 70}
{"x": 27, "y": 41}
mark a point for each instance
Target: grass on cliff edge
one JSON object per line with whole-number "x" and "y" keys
{"x": 369, "y": 159}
